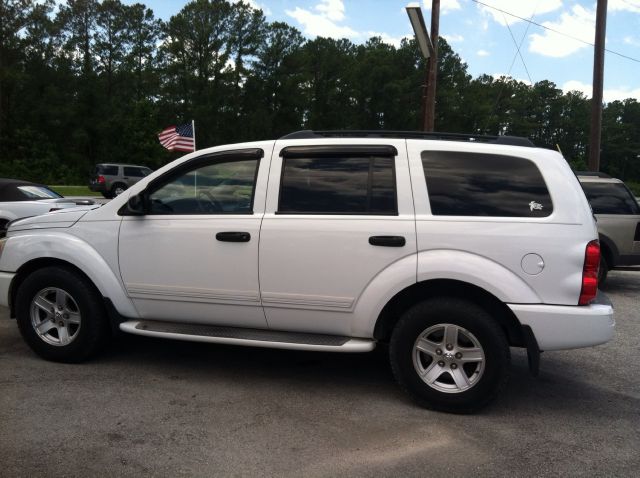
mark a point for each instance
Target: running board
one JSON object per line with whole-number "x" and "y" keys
{"x": 247, "y": 337}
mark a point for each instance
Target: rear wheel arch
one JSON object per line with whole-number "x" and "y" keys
{"x": 608, "y": 250}
{"x": 410, "y": 296}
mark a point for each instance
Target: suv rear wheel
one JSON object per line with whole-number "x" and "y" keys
{"x": 450, "y": 355}
{"x": 60, "y": 315}
{"x": 117, "y": 189}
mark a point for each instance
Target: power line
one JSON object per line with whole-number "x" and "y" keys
{"x": 556, "y": 31}
{"x": 518, "y": 53}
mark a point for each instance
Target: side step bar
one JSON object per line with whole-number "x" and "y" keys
{"x": 247, "y": 337}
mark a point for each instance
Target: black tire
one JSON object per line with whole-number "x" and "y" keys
{"x": 493, "y": 373}
{"x": 603, "y": 271}
{"x": 116, "y": 187}
{"x": 107, "y": 195}
{"x": 92, "y": 331}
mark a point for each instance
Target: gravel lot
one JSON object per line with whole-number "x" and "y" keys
{"x": 162, "y": 408}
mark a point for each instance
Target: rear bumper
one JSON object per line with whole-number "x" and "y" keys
{"x": 629, "y": 260}
{"x": 98, "y": 187}
{"x": 559, "y": 327}
{"x": 5, "y": 285}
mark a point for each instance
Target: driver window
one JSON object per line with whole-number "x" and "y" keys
{"x": 223, "y": 187}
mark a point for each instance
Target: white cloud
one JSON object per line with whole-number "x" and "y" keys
{"x": 521, "y": 8}
{"x": 624, "y": 6}
{"x": 326, "y": 18}
{"x": 386, "y": 38}
{"x": 446, "y": 6}
{"x": 483, "y": 53}
{"x": 609, "y": 94}
{"x": 255, "y": 5}
{"x": 629, "y": 40}
{"x": 325, "y": 22}
{"x": 579, "y": 23}
{"x": 504, "y": 76}
{"x": 453, "y": 38}
{"x": 331, "y": 9}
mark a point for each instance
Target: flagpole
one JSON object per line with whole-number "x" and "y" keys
{"x": 193, "y": 128}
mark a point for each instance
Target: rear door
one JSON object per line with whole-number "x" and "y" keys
{"x": 337, "y": 215}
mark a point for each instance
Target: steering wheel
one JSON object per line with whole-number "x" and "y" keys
{"x": 207, "y": 203}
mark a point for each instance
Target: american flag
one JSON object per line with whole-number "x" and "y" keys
{"x": 178, "y": 138}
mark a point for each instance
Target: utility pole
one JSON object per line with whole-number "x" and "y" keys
{"x": 429, "y": 48}
{"x": 432, "y": 70}
{"x": 598, "y": 80}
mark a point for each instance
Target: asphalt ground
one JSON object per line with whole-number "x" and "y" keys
{"x": 151, "y": 407}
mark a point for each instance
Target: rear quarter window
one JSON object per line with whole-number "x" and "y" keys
{"x": 107, "y": 170}
{"x": 610, "y": 198}
{"x": 473, "y": 184}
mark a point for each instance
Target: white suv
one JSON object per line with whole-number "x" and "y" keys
{"x": 450, "y": 249}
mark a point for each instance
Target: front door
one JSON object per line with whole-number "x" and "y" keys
{"x": 193, "y": 257}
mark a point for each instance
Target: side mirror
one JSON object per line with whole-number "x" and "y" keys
{"x": 136, "y": 205}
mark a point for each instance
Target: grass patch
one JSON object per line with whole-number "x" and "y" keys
{"x": 74, "y": 191}
{"x": 635, "y": 188}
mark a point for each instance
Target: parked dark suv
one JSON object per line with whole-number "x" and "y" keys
{"x": 113, "y": 179}
{"x": 618, "y": 219}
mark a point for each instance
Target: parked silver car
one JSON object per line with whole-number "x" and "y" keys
{"x": 20, "y": 199}
{"x": 112, "y": 179}
{"x": 618, "y": 218}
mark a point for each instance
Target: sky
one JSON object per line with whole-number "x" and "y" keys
{"x": 485, "y": 37}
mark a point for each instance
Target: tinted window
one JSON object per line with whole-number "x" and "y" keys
{"x": 107, "y": 170}
{"x": 37, "y": 192}
{"x": 134, "y": 172}
{"x": 610, "y": 198}
{"x": 338, "y": 185}
{"x": 224, "y": 187}
{"x": 470, "y": 184}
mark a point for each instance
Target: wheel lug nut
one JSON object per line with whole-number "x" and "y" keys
{"x": 454, "y": 366}
{"x": 458, "y": 355}
{"x": 449, "y": 347}
{"x": 441, "y": 363}
{"x": 438, "y": 352}
{"x": 61, "y": 324}
{"x": 59, "y": 307}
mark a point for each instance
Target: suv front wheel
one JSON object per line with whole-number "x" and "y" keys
{"x": 450, "y": 355}
{"x": 60, "y": 315}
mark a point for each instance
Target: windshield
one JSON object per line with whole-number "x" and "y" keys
{"x": 38, "y": 192}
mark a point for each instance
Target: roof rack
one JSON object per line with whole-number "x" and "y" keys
{"x": 594, "y": 174}
{"x": 509, "y": 140}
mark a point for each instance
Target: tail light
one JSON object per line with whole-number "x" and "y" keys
{"x": 590, "y": 273}
{"x": 100, "y": 179}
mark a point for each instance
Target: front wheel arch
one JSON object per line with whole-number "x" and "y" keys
{"x": 30, "y": 267}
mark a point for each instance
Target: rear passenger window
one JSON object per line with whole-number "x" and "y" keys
{"x": 134, "y": 172}
{"x": 471, "y": 184}
{"x": 338, "y": 185}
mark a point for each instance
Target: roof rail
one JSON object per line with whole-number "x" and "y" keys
{"x": 510, "y": 140}
{"x": 594, "y": 174}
